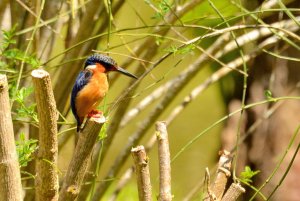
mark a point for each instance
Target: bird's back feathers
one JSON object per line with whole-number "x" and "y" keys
{"x": 81, "y": 81}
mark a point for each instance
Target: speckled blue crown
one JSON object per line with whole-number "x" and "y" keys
{"x": 100, "y": 58}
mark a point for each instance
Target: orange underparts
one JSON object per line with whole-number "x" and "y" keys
{"x": 89, "y": 98}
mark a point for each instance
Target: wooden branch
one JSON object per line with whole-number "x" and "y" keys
{"x": 234, "y": 191}
{"x": 80, "y": 160}
{"x": 46, "y": 182}
{"x": 223, "y": 174}
{"x": 10, "y": 179}
{"x": 164, "y": 162}
{"x": 125, "y": 178}
{"x": 141, "y": 162}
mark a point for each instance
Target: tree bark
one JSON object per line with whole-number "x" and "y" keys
{"x": 10, "y": 179}
{"x": 141, "y": 162}
{"x": 80, "y": 160}
{"x": 164, "y": 162}
{"x": 46, "y": 177}
{"x": 233, "y": 193}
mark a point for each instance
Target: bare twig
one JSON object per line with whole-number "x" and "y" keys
{"x": 47, "y": 178}
{"x": 129, "y": 172}
{"x": 10, "y": 179}
{"x": 164, "y": 162}
{"x": 223, "y": 174}
{"x": 157, "y": 93}
{"x": 142, "y": 173}
{"x": 80, "y": 160}
{"x": 230, "y": 46}
{"x": 234, "y": 191}
{"x": 256, "y": 34}
{"x": 211, "y": 196}
{"x": 216, "y": 191}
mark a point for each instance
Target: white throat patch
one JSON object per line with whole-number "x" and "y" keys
{"x": 91, "y": 67}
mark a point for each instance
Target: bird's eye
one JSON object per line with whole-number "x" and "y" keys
{"x": 87, "y": 74}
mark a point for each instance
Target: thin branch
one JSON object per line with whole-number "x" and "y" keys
{"x": 211, "y": 196}
{"x": 234, "y": 192}
{"x": 125, "y": 178}
{"x": 80, "y": 160}
{"x": 256, "y": 34}
{"x": 157, "y": 93}
{"x": 230, "y": 46}
{"x": 47, "y": 178}
{"x": 164, "y": 162}
{"x": 285, "y": 173}
{"x": 223, "y": 174}
{"x": 10, "y": 179}
{"x": 141, "y": 162}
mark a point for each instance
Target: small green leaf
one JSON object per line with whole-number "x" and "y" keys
{"x": 25, "y": 149}
{"x": 268, "y": 94}
{"x": 247, "y": 175}
{"x": 172, "y": 49}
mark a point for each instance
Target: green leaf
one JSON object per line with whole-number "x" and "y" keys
{"x": 23, "y": 93}
{"x": 172, "y": 49}
{"x": 25, "y": 149}
{"x": 247, "y": 175}
{"x": 268, "y": 94}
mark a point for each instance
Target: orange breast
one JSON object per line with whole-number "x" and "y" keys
{"x": 91, "y": 95}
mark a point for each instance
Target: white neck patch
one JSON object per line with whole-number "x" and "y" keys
{"x": 91, "y": 67}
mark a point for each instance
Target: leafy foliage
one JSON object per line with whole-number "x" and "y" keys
{"x": 25, "y": 150}
{"x": 163, "y": 8}
{"x": 23, "y": 110}
{"x": 247, "y": 175}
{"x": 10, "y": 56}
{"x": 268, "y": 95}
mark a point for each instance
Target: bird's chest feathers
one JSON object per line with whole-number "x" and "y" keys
{"x": 95, "y": 90}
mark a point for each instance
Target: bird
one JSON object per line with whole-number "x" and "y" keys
{"x": 91, "y": 86}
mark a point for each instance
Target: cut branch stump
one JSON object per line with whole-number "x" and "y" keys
{"x": 141, "y": 162}
{"x": 80, "y": 160}
{"x": 10, "y": 179}
{"x": 46, "y": 181}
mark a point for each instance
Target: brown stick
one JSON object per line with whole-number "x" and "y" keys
{"x": 46, "y": 182}
{"x": 10, "y": 179}
{"x": 234, "y": 191}
{"x": 141, "y": 162}
{"x": 80, "y": 160}
{"x": 223, "y": 174}
{"x": 164, "y": 162}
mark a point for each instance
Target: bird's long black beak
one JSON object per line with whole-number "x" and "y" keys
{"x": 125, "y": 72}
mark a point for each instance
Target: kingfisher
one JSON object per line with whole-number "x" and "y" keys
{"x": 91, "y": 86}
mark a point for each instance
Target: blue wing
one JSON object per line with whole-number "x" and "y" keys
{"x": 81, "y": 80}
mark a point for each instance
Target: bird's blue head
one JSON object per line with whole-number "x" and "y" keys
{"x": 102, "y": 59}
{"x": 107, "y": 62}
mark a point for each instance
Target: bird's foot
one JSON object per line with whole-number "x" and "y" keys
{"x": 95, "y": 114}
